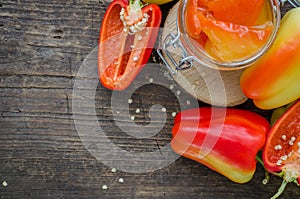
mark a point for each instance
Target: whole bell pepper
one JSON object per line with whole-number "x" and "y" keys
{"x": 225, "y": 140}
{"x": 274, "y": 80}
{"x": 281, "y": 153}
{"x": 127, "y": 36}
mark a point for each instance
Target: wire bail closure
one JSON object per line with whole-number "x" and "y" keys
{"x": 294, "y": 3}
{"x": 186, "y": 61}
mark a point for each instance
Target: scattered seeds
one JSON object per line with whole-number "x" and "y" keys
{"x": 283, "y": 137}
{"x": 279, "y": 162}
{"x": 284, "y": 157}
{"x": 188, "y": 102}
{"x": 178, "y": 92}
{"x": 151, "y": 80}
{"x": 173, "y": 114}
{"x": 104, "y": 187}
{"x": 135, "y": 58}
{"x": 163, "y": 109}
{"x": 137, "y": 110}
{"x": 121, "y": 180}
{"x": 113, "y": 170}
{"x": 132, "y": 117}
{"x": 4, "y": 184}
{"x": 130, "y": 101}
{"x": 293, "y": 139}
{"x": 140, "y": 37}
{"x": 171, "y": 86}
{"x": 278, "y": 147}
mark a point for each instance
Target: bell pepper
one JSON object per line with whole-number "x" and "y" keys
{"x": 225, "y": 140}
{"x": 229, "y": 30}
{"x": 274, "y": 80}
{"x": 127, "y": 36}
{"x": 281, "y": 153}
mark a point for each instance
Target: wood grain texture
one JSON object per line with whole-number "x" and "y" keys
{"x": 42, "y": 46}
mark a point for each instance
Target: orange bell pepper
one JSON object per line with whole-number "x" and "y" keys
{"x": 274, "y": 80}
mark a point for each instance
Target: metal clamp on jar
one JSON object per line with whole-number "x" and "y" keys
{"x": 203, "y": 76}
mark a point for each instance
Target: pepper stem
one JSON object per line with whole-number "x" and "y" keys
{"x": 280, "y": 190}
{"x": 259, "y": 160}
{"x": 267, "y": 174}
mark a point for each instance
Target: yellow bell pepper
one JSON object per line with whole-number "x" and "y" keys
{"x": 274, "y": 80}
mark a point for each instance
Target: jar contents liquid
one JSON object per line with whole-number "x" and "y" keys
{"x": 229, "y": 30}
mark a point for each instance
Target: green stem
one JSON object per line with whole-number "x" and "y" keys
{"x": 280, "y": 190}
{"x": 259, "y": 160}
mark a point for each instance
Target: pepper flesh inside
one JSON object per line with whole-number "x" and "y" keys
{"x": 282, "y": 149}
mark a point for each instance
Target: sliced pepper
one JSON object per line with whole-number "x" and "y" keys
{"x": 225, "y": 140}
{"x": 274, "y": 80}
{"x": 242, "y": 12}
{"x": 281, "y": 153}
{"x": 224, "y": 31}
{"x": 127, "y": 36}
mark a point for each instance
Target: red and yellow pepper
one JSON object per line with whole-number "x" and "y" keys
{"x": 281, "y": 154}
{"x": 274, "y": 81}
{"x": 225, "y": 140}
{"x": 127, "y": 36}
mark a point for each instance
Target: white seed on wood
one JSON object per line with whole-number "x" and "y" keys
{"x": 104, "y": 187}
{"x": 130, "y": 101}
{"x": 132, "y": 117}
{"x": 163, "y": 109}
{"x": 283, "y": 137}
{"x": 121, "y": 180}
{"x": 4, "y": 184}
{"x": 171, "y": 86}
{"x": 113, "y": 170}
{"x": 173, "y": 114}
{"x": 138, "y": 110}
{"x": 151, "y": 80}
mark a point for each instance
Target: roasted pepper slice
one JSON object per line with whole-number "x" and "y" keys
{"x": 127, "y": 36}
{"x": 281, "y": 154}
{"x": 225, "y": 140}
{"x": 274, "y": 81}
{"x": 229, "y": 30}
{"x": 242, "y": 12}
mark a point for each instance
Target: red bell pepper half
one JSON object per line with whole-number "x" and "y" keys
{"x": 127, "y": 36}
{"x": 225, "y": 140}
{"x": 281, "y": 154}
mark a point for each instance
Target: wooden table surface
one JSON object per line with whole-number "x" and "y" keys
{"x": 45, "y": 132}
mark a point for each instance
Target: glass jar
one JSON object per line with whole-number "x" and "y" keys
{"x": 295, "y": 3}
{"x": 191, "y": 53}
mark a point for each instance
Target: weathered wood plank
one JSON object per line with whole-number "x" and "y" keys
{"x": 42, "y": 45}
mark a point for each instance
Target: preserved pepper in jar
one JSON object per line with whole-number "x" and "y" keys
{"x": 229, "y": 30}
{"x": 223, "y": 35}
